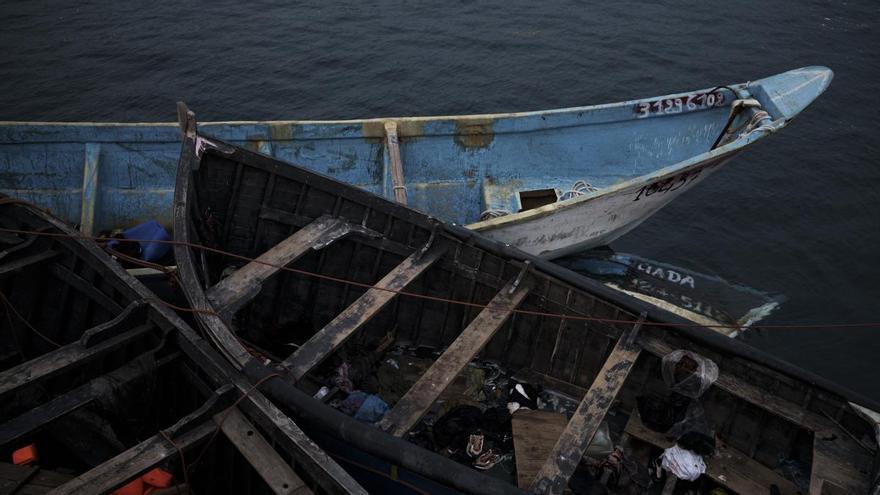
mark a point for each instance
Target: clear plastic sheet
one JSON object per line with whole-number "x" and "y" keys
{"x": 688, "y": 373}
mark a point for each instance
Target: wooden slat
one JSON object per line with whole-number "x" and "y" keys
{"x": 335, "y": 333}
{"x": 393, "y": 145}
{"x": 86, "y": 287}
{"x": 570, "y": 448}
{"x": 134, "y": 461}
{"x": 728, "y": 466}
{"x": 54, "y": 362}
{"x": 235, "y": 290}
{"x": 407, "y": 412}
{"x": 277, "y": 474}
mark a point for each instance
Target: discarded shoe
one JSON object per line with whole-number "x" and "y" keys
{"x": 487, "y": 460}
{"x": 475, "y": 445}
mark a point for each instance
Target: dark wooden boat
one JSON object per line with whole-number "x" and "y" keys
{"x": 303, "y": 232}
{"x": 108, "y": 384}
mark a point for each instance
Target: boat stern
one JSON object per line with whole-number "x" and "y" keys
{"x": 785, "y": 95}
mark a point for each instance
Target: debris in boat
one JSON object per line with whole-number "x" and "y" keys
{"x": 25, "y": 456}
{"x": 688, "y": 373}
{"x": 683, "y": 463}
{"x": 144, "y": 249}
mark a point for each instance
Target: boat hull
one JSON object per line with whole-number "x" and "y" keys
{"x": 455, "y": 168}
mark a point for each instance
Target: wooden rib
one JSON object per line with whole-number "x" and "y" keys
{"x": 235, "y": 290}
{"x": 134, "y": 461}
{"x": 78, "y": 397}
{"x": 325, "y": 342}
{"x": 26, "y": 261}
{"x": 95, "y": 342}
{"x": 275, "y": 472}
{"x": 553, "y": 476}
{"x": 86, "y": 287}
{"x": 393, "y": 146}
{"x": 472, "y": 339}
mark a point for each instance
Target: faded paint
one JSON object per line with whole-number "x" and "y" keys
{"x": 474, "y": 133}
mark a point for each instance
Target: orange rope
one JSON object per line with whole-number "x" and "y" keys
{"x": 416, "y": 295}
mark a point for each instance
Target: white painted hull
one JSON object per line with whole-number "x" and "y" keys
{"x": 596, "y": 219}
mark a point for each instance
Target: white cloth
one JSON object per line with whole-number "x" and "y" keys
{"x": 684, "y": 464}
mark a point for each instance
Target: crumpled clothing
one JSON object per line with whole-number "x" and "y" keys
{"x": 365, "y": 407}
{"x": 372, "y": 409}
{"x": 682, "y": 463}
{"x": 352, "y": 404}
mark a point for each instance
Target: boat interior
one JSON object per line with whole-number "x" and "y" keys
{"x": 103, "y": 391}
{"x": 339, "y": 273}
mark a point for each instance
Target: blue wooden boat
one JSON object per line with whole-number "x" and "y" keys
{"x": 549, "y": 182}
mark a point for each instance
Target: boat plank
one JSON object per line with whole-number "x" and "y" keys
{"x": 472, "y": 339}
{"x": 835, "y": 469}
{"x": 345, "y": 324}
{"x": 277, "y": 474}
{"x": 569, "y": 449}
{"x": 238, "y": 288}
{"x": 534, "y": 435}
{"x": 26, "y": 261}
{"x": 134, "y": 461}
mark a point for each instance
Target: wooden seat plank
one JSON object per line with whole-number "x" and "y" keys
{"x": 277, "y": 474}
{"x": 560, "y": 465}
{"x": 407, "y": 412}
{"x": 728, "y": 466}
{"x": 835, "y": 469}
{"x": 334, "y": 334}
{"x": 236, "y": 289}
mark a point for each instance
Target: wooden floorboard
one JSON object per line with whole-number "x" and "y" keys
{"x": 413, "y": 405}
{"x": 534, "y": 435}
{"x": 560, "y": 465}
{"x": 345, "y": 324}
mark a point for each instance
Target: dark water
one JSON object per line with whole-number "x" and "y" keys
{"x": 798, "y": 215}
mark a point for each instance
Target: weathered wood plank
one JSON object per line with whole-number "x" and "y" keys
{"x": 235, "y": 290}
{"x": 392, "y": 144}
{"x": 78, "y": 397}
{"x": 728, "y": 466}
{"x": 84, "y": 286}
{"x": 534, "y": 435}
{"x": 277, "y": 474}
{"x": 407, "y": 412}
{"x": 553, "y": 476}
{"x": 134, "y": 461}
{"x": 346, "y": 323}
{"x": 54, "y": 362}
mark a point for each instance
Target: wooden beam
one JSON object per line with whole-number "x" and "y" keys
{"x": 26, "y": 261}
{"x": 134, "y": 461}
{"x": 407, "y": 412}
{"x": 234, "y": 291}
{"x": 72, "y": 400}
{"x": 86, "y": 287}
{"x": 553, "y": 476}
{"x": 392, "y": 145}
{"x": 71, "y": 355}
{"x": 90, "y": 188}
{"x": 277, "y": 474}
{"x": 345, "y": 324}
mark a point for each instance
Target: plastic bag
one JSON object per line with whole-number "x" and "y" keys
{"x": 688, "y": 373}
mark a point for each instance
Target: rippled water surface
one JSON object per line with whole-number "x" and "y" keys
{"x": 797, "y": 215}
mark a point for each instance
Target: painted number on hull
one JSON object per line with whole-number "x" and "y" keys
{"x": 668, "y": 185}
{"x": 689, "y": 103}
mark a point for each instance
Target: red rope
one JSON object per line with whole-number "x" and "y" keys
{"x": 413, "y": 294}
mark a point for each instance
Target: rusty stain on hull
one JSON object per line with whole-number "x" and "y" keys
{"x": 474, "y": 133}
